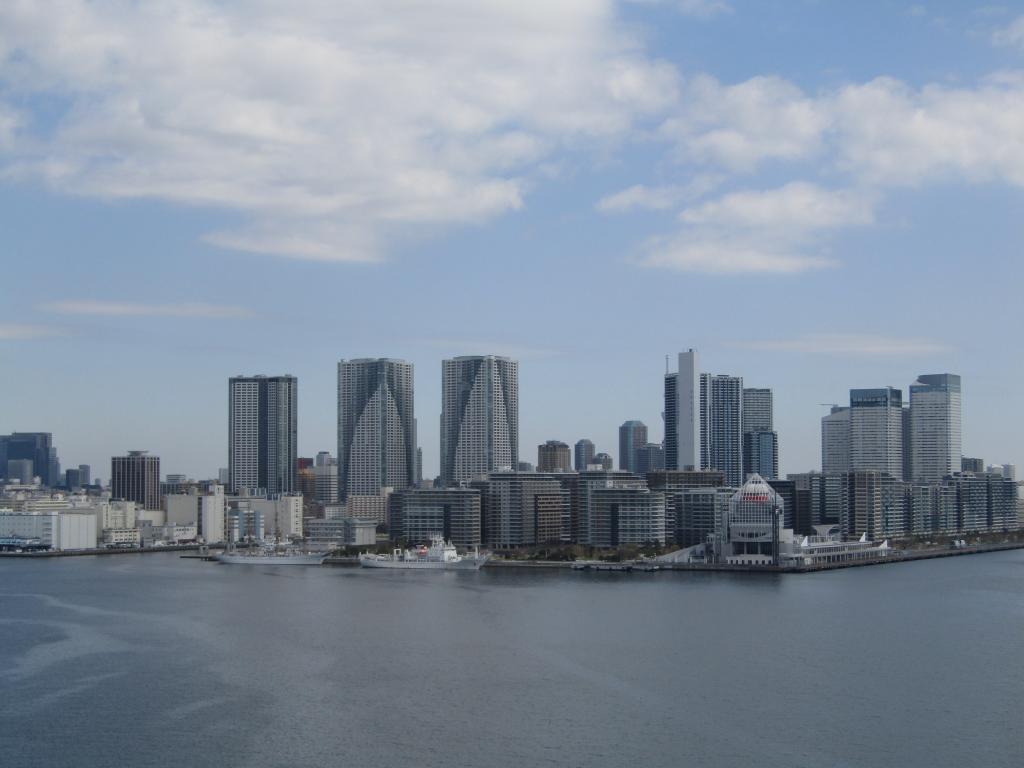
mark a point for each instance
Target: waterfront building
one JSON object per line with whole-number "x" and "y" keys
{"x": 553, "y": 456}
{"x": 796, "y": 505}
{"x": 682, "y": 414}
{"x": 672, "y": 483}
{"x": 697, "y": 509}
{"x": 36, "y": 447}
{"x": 376, "y": 426}
{"x": 281, "y": 513}
{"x": 721, "y": 425}
{"x": 205, "y": 510}
{"x": 623, "y": 514}
{"x": 417, "y": 514}
{"x": 244, "y": 524}
{"x": 632, "y": 435}
{"x": 63, "y": 530}
{"x": 835, "y": 440}
{"x": 583, "y": 454}
{"x": 524, "y": 509}
{"x": 136, "y": 477}
{"x": 262, "y": 433}
{"x": 876, "y": 431}
{"x": 341, "y": 531}
{"x": 750, "y": 532}
{"x": 479, "y": 417}
{"x": 369, "y": 506}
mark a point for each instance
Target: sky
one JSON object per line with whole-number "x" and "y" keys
{"x": 815, "y": 195}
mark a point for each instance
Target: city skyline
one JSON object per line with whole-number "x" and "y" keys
{"x": 691, "y": 151}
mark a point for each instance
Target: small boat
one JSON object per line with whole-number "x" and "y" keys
{"x": 441, "y": 555}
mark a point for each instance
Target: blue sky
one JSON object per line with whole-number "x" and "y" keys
{"x": 815, "y": 195}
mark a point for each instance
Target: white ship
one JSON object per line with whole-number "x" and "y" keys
{"x": 440, "y": 555}
{"x": 270, "y": 555}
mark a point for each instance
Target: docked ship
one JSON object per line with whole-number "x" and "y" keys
{"x": 440, "y": 555}
{"x": 270, "y": 556}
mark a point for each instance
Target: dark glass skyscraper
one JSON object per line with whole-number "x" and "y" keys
{"x": 136, "y": 477}
{"x": 263, "y": 433}
{"x": 36, "y": 447}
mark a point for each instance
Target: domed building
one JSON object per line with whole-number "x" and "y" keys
{"x": 752, "y": 531}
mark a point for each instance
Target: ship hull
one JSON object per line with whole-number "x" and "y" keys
{"x": 466, "y": 564}
{"x": 303, "y": 559}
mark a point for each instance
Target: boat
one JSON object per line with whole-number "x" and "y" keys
{"x": 441, "y": 555}
{"x": 270, "y": 555}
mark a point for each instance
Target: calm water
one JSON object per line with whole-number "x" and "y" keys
{"x": 157, "y": 661}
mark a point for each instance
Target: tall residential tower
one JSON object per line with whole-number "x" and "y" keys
{"x": 376, "y": 426}
{"x": 479, "y": 417}
{"x": 262, "y": 433}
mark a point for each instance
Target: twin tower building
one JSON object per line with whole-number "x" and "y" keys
{"x": 377, "y": 441}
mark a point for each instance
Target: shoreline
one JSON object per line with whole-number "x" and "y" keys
{"x": 898, "y": 556}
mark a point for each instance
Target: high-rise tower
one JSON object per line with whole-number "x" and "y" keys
{"x": 876, "y": 430}
{"x": 136, "y": 477}
{"x": 935, "y": 438}
{"x": 479, "y": 417}
{"x": 376, "y": 426}
{"x": 262, "y": 433}
{"x": 682, "y": 417}
{"x": 721, "y": 426}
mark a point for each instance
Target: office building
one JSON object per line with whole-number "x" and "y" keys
{"x": 64, "y": 530}
{"x": 136, "y": 477}
{"x": 417, "y": 514}
{"x": 682, "y": 414}
{"x": 721, "y": 425}
{"x": 20, "y": 471}
{"x": 758, "y": 410}
{"x": 553, "y": 456}
{"x": 835, "y": 440}
{"x": 479, "y": 417}
{"x": 36, "y": 447}
{"x": 325, "y": 479}
{"x": 262, "y": 433}
{"x": 632, "y": 435}
{"x": 876, "y": 431}
{"x": 376, "y": 426}
{"x": 935, "y": 439}
{"x": 583, "y": 455}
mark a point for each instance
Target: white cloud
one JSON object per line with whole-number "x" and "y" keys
{"x": 122, "y": 309}
{"x": 1012, "y": 35}
{"x": 778, "y": 230}
{"x": 699, "y": 8}
{"x": 740, "y": 126}
{"x": 334, "y": 127}
{"x": 850, "y": 344}
{"x": 17, "y": 331}
{"x": 657, "y": 198}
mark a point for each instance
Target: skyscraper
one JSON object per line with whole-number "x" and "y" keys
{"x": 262, "y": 433}
{"x": 721, "y": 426}
{"x": 632, "y": 435}
{"x": 682, "y": 419}
{"x": 584, "y": 454}
{"x": 876, "y": 431}
{"x": 376, "y": 426}
{"x": 935, "y": 438}
{"x": 136, "y": 477}
{"x": 479, "y": 417}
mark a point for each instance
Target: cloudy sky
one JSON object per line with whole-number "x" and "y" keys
{"x": 816, "y": 195}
